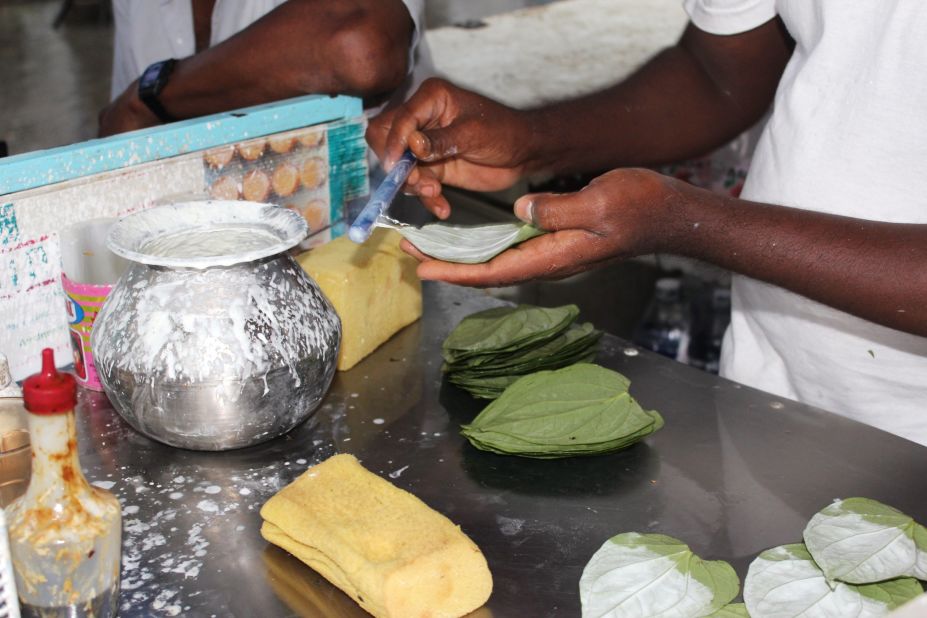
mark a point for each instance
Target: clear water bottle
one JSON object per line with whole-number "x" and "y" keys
{"x": 665, "y": 327}
{"x": 710, "y": 318}
{"x": 720, "y": 319}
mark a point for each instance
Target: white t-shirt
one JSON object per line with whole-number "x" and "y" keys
{"x": 151, "y": 30}
{"x": 847, "y": 136}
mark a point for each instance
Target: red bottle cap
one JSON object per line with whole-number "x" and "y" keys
{"x": 49, "y": 391}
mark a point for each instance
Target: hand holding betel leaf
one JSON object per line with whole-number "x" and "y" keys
{"x": 467, "y": 244}
{"x": 621, "y": 214}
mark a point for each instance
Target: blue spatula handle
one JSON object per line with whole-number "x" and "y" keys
{"x": 381, "y": 199}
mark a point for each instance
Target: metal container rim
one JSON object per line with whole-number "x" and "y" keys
{"x": 129, "y": 235}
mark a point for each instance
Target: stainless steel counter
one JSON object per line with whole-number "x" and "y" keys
{"x": 733, "y": 472}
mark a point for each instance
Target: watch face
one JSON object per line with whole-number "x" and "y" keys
{"x": 151, "y": 73}
{"x": 151, "y": 83}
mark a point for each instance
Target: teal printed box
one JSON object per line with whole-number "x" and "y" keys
{"x": 307, "y": 154}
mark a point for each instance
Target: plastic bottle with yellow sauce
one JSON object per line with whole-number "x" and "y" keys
{"x": 65, "y": 534}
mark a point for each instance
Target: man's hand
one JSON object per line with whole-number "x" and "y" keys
{"x": 460, "y": 138}
{"x": 126, "y": 113}
{"x": 871, "y": 269}
{"x": 623, "y": 213}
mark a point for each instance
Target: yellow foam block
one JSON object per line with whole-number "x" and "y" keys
{"x": 372, "y": 286}
{"x": 385, "y": 548}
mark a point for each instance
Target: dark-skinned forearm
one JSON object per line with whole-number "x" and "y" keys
{"x": 356, "y": 47}
{"x": 686, "y": 101}
{"x": 871, "y": 269}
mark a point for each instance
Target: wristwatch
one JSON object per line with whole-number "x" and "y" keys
{"x": 150, "y": 85}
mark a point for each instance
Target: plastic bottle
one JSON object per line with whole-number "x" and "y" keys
{"x": 665, "y": 327}
{"x": 720, "y": 319}
{"x": 65, "y": 535}
{"x": 710, "y": 319}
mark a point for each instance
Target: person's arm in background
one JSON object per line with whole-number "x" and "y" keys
{"x": 354, "y": 47}
{"x": 685, "y": 101}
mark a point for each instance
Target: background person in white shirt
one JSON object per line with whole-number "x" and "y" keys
{"x": 828, "y": 238}
{"x": 232, "y": 54}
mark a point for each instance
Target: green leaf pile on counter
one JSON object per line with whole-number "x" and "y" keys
{"x": 489, "y": 350}
{"x": 583, "y": 409}
{"x": 467, "y": 244}
{"x": 638, "y": 575}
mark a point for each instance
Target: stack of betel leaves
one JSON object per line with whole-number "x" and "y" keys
{"x": 491, "y": 349}
{"x": 583, "y": 409}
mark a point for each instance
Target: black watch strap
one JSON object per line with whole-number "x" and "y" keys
{"x": 150, "y": 85}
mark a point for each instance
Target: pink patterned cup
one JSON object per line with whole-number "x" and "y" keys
{"x": 89, "y": 271}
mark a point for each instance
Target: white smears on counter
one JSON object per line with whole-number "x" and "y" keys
{"x": 165, "y": 551}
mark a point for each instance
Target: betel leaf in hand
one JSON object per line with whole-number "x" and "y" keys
{"x": 635, "y": 575}
{"x": 468, "y": 244}
{"x": 860, "y": 541}
{"x": 785, "y": 581}
{"x": 583, "y": 409}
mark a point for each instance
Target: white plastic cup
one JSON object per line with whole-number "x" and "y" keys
{"x": 88, "y": 272}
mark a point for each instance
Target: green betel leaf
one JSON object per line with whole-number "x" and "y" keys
{"x": 635, "y": 575}
{"x": 920, "y": 541}
{"x": 506, "y": 328}
{"x": 490, "y": 350}
{"x": 733, "y": 610}
{"x": 861, "y": 541}
{"x": 785, "y": 581}
{"x": 892, "y": 593}
{"x": 468, "y": 244}
{"x": 581, "y": 409}
{"x": 577, "y": 339}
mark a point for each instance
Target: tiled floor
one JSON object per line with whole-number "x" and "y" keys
{"x": 52, "y": 82}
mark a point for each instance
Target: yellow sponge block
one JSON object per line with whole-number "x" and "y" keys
{"x": 385, "y": 548}
{"x": 372, "y": 286}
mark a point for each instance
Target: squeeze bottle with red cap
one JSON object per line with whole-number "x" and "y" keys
{"x": 65, "y": 534}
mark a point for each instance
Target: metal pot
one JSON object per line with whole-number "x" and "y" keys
{"x": 213, "y": 344}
